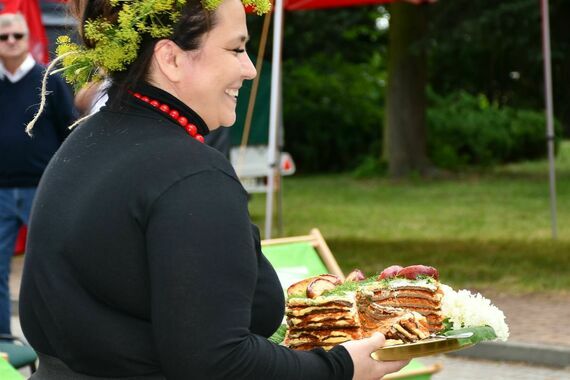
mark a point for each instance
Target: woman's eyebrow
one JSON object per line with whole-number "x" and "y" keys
{"x": 242, "y": 38}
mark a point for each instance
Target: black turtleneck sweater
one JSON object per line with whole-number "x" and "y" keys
{"x": 142, "y": 259}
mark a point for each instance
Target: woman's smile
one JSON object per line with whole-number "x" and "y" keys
{"x": 233, "y": 92}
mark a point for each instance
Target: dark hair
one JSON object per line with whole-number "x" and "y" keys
{"x": 194, "y": 22}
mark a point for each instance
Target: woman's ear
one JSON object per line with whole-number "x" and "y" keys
{"x": 168, "y": 59}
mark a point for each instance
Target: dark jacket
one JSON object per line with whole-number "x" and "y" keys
{"x": 24, "y": 158}
{"x": 142, "y": 259}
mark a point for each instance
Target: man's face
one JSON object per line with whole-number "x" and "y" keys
{"x": 14, "y": 42}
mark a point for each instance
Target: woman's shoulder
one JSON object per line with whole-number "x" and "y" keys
{"x": 147, "y": 146}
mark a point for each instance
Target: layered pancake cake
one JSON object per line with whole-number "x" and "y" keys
{"x": 323, "y": 311}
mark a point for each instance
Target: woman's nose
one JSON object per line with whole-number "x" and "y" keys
{"x": 249, "y": 71}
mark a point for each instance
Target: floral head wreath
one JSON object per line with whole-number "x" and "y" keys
{"x": 116, "y": 44}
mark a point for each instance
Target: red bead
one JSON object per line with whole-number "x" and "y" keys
{"x": 191, "y": 129}
{"x": 182, "y": 121}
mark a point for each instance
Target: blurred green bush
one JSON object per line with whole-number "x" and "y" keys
{"x": 467, "y": 130}
{"x": 333, "y": 112}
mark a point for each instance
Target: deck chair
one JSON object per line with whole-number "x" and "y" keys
{"x": 298, "y": 257}
{"x": 19, "y": 353}
{"x": 415, "y": 370}
{"x": 7, "y": 372}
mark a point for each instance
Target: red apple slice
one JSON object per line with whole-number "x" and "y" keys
{"x": 300, "y": 287}
{"x": 356, "y": 275}
{"x": 390, "y": 272}
{"x": 413, "y": 271}
{"x": 332, "y": 278}
{"x": 318, "y": 286}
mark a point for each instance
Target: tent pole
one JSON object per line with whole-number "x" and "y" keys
{"x": 549, "y": 112}
{"x": 253, "y": 94}
{"x": 272, "y": 165}
{"x": 278, "y": 176}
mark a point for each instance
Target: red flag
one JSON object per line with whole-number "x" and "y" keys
{"x": 20, "y": 246}
{"x": 38, "y": 39}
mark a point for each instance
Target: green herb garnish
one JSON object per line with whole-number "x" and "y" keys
{"x": 480, "y": 333}
{"x": 349, "y": 286}
{"x": 279, "y": 335}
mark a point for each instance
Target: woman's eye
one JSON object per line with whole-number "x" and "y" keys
{"x": 239, "y": 50}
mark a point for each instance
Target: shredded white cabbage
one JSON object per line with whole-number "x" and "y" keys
{"x": 465, "y": 309}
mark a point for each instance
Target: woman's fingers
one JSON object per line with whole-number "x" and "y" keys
{"x": 377, "y": 340}
{"x": 366, "y": 368}
{"x": 394, "y": 366}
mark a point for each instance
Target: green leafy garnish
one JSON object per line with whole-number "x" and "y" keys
{"x": 279, "y": 335}
{"x": 429, "y": 279}
{"x": 480, "y": 333}
{"x": 348, "y": 286}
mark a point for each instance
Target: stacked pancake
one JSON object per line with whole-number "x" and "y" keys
{"x": 394, "y": 297}
{"x": 403, "y": 304}
{"x": 398, "y": 325}
{"x": 324, "y": 321}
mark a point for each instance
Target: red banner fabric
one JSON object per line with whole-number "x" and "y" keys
{"x": 20, "y": 246}
{"x": 293, "y": 5}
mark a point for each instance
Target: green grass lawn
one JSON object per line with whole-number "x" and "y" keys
{"x": 489, "y": 229}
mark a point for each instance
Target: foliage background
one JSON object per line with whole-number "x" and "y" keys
{"x": 482, "y": 229}
{"x": 334, "y": 78}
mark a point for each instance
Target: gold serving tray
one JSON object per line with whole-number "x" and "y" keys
{"x": 426, "y": 347}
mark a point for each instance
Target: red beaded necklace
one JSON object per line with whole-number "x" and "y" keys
{"x": 174, "y": 114}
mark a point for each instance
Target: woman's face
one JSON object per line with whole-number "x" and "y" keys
{"x": 215, "y": 72}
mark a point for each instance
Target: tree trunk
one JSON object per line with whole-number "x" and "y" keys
{"x": 405, "y": 135}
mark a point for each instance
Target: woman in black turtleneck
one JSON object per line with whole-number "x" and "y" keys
{"x": 142, "y": 261}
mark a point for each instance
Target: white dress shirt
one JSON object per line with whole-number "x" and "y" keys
{"x": 20, "y": 72}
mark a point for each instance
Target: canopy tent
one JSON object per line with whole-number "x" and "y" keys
{"x": 275, "y": 111}
{"x": 292, "y": 5}
{"x": 30, "y": 9}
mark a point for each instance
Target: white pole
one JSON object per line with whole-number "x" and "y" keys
{"x": 272, "y": 164}
{"x": 549, "y": 111}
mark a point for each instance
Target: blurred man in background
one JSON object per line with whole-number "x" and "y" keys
{"x": 23, "y": 158}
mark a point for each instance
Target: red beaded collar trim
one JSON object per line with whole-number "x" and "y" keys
{"x": 174, "y": 114}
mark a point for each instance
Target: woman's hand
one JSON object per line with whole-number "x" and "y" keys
{"x": 366, "y": 368}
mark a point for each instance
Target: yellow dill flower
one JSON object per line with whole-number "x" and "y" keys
{"x": 261, "y": 6}
{"x": 126, "y": 17}
{"x": 128, "y": 36}
{"x": 211, "y": 4}
{"x": 63, "y": 40}
{"x": 97, "y": 30}
{"x": 158, "y": 31}
{"x": 117, "y": 44}
{"x": 174, "y": 16}
{"x": 162, "y": 5}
